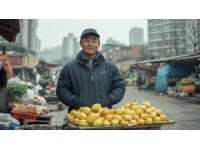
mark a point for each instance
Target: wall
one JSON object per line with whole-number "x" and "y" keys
{"x": 148, "y": 76}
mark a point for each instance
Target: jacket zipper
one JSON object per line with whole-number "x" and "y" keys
{"x": 92, "y": 78}
{"x": 90, "y": 70}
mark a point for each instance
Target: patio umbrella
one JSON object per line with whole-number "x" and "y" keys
{"x": 9, "y": 29}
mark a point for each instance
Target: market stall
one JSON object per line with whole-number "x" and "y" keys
{"x": 180, "y": 78}
{"x": 169, "y": 75}
{"x": 183, "y": 88}
{"x": 25, "y": 105}
{"x": 131, "y": 116}
{"x": 9, "y": 28}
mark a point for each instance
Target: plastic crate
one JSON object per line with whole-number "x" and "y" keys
{"x": 65, "y": 121}
{"x": 24, "y": 116}
{"x": 12, "y": 126}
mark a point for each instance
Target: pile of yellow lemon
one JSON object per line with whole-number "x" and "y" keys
{"x": 131, "y": 113}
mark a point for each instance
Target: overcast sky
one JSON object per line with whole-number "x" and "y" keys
{"x": 51, "y": 32}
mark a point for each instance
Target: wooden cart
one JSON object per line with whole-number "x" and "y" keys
{"x": 153, "y": 126}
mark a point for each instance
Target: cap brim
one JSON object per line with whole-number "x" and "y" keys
{"x": 91, "y": 33}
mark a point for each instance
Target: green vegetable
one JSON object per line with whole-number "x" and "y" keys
{"x": 180, "y": 84}
{"x": 15, "y": 90}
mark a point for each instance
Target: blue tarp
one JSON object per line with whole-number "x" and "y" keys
{"x": 170, "y": 71}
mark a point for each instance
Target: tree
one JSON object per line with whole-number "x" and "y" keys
{"x": 192, "y": 33}
{"x": 143, "y": 54}
{"x": 174, "y": 38}
{"x": 179, "y": 39}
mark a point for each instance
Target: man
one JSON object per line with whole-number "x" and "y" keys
{"x": 143, "y": 82}
{"x": 53, "y": 78}
{"x": 37, "y": 77}
{"x": 139, "y": 82}
{"x": 89, "y": 78}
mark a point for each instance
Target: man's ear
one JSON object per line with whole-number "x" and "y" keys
{"x": 80, "y": 44}
{"x": 99, "y": 45}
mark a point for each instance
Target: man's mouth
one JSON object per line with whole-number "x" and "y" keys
{"x": 90, "y": 48}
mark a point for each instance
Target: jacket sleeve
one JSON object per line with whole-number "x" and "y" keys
{"x": 118, "y": 87}
{"x": 63, "y": 90}
{"x": 3, "y": 78}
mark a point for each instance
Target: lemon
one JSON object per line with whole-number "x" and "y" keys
{"x": 82, "y": 123}
{"x": 127, "y": 105}
{"x": 157, "y": 120}
{"x": 141, "y": 122}
{"x": 134, "y": 122}
{"x": 139, "y": 111}
{"x": 128, "y": 117}
{"x": 96, "y": 107}
{"x": 144, "y": 116}
{"x": 134, "y": 107}
{"x": 109, "y": 117}
{"x": 83, "y": 116}
{"x": 153, "y": 115}
{"x": 136, "y": 117}
{"x": 158, "y": 111}
{"x": 123, "y": 122}
{"x": 106, "y": 111}
{"x": 134, "y": 103}
{"x": 118, "y": 117}
{"x": 149, "y": 121}
{"x": 97, "y": 122}
{"x": 86, "y": 110}
{"x": 106, "y": 123}
{"x": 147, "y": 104}
{"x": 114, "y": 122}
{"x": 148, "y": 110}
{"x": 91, "y": 118}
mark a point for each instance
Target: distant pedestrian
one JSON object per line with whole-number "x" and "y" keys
{"x": 139, "y": 82}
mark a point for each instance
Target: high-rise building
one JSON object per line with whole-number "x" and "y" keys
{"x": 27, "y": 35}
{"x": 70, "y": 46}
{"x": 32, "y": 34}
{"x": 136, "y": 36}
{"x": 166, "y": 37}
{"x": 38, "y": 45}
{"x": 112, "y": 41}
{"x": 51, "y": 54}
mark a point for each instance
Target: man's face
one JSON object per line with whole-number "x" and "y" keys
{"x": 90, "y": 44}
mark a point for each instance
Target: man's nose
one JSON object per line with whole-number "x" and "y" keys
{"x": 90, "y": 43}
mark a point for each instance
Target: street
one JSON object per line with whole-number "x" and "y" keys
{"x": 184, "y": 112}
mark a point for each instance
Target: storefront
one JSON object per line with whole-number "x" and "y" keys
{"x": 46, "y": 69}
{"x": 184, "y": 69}
{"x": 148, "y": 71}
{"x": 24, "y": 66}
{"x": 169, "y": 75}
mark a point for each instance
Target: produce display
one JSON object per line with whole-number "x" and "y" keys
{"x": 40, "y": 127}
{"x": 185, "y": 81}
{"x": 15, "y": 103}
{"x": 131, "y": 113}
{"x": 29, "y": 109}
{"x": 183, "y": 88}
{"x": 188, "y": 89}
{"x": 16, "y": 90}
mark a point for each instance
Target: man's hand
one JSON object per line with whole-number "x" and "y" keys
{"x": 8, "y": 68}
{"x": 6, "y": 65}
{"x": 4, "y": 56}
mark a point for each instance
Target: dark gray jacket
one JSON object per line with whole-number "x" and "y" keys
{"x": 80, "y": 85}
{"x": 3, "y": 78}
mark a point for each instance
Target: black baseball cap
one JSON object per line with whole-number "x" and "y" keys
{"x": 89, "y": 31}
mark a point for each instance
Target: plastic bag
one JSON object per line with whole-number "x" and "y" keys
{"x": 29, "y": 93}
{"x": 14, "y": 80}
{"x": 37, "y": 88}
{"x": 7, "y": 118}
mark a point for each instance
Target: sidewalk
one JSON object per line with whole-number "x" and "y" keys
{"x": 58, "y": 115}
{"x": 195, "y": 98}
